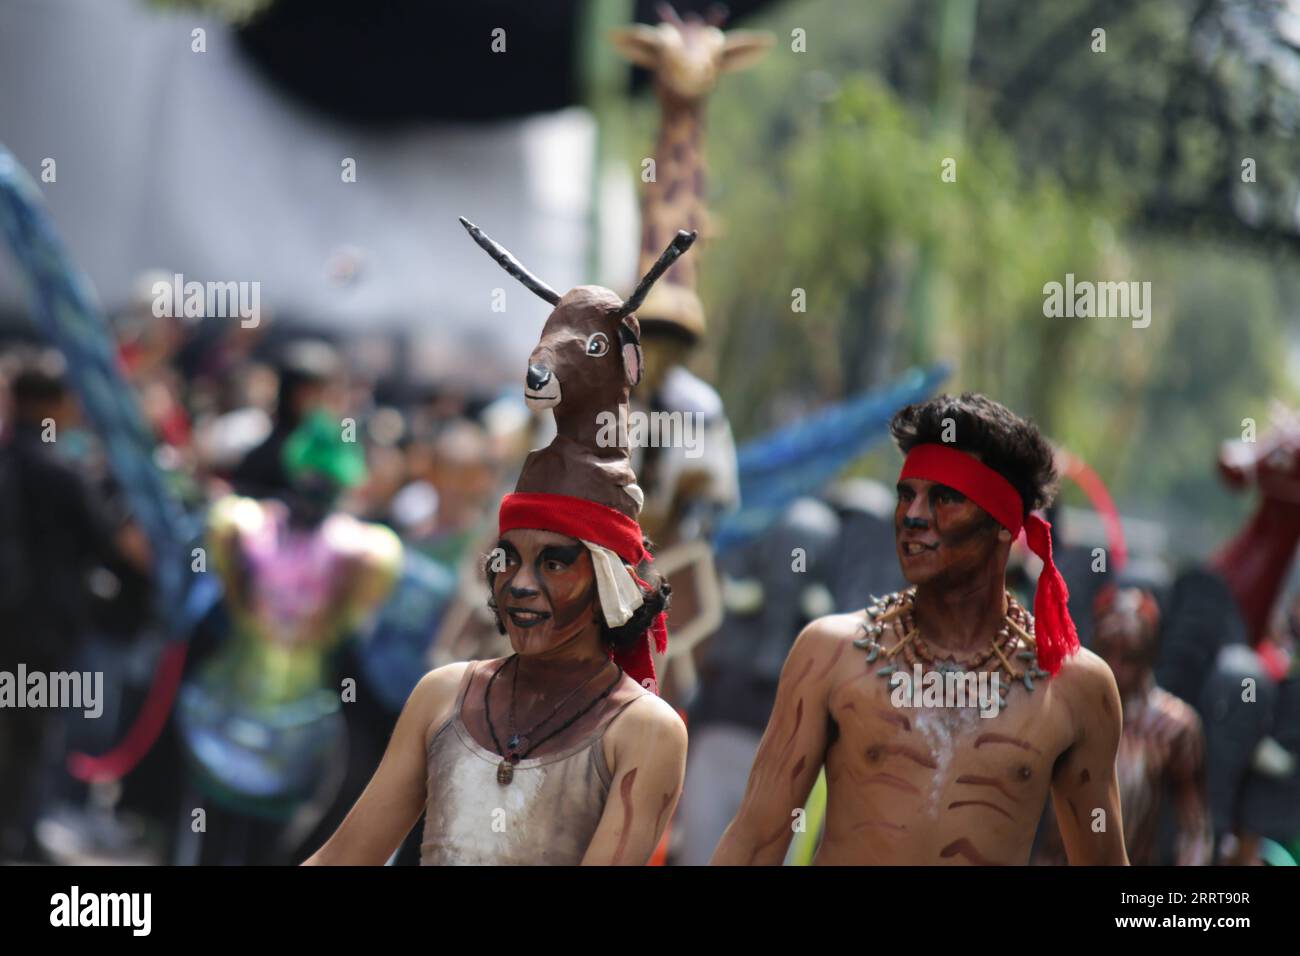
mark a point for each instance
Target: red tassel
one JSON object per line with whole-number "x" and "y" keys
{"x": 637, "y": 662}
{"x": 659, "y": 630}
{"x": 1054, "y": 630}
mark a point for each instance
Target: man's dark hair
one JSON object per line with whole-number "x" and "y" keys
{"x": 38, "y": 376}
{"x": 656, "y": 597}
{"x": 304, "y": 362}
{"x": 1010, "y": 445}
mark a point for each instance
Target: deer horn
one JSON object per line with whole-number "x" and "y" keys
{"x": 508, "y": 262}
{"x": 681, "y": 242}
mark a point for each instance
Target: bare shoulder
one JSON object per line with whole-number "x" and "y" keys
{"x": 1084, "y": 670}
{"x": 820, "y": 651}
{"x": 235, "y": 514}
{"x": 365, "y": 545}
{"x": 1178, "y": 711}
{"x": 435, "y": 694}
{"x": 1087, "y": 680}
{"x": 829, "y": 633}
{"x": 648, "y": 719}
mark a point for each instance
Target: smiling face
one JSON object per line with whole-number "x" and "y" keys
{"x": 942, "y": 537}
{"x": 546, "y": 596}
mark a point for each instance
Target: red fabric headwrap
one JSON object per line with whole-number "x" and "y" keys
{"x": 588, "y": 521}
{"x": 1054, "y": 630}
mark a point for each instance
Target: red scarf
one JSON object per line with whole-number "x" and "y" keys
{"x": 1055, "y": 633}
{"x": 588, "y": 521}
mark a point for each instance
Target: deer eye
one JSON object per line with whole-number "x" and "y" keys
{"x": 597, "y": 344}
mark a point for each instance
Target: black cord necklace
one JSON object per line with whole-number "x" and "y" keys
{"x": 518, "y": 740}
{"x": 506, "y": 769}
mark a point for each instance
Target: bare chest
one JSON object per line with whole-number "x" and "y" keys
{"x": 914, "y": 779}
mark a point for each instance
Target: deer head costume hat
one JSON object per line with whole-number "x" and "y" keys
{"x": 582, "y": 485}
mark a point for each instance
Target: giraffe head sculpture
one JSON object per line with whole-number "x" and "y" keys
{"x": 687, "y": 55}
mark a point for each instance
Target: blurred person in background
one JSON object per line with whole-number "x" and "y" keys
{"x": 310, "y": 373}
{"x": 300, "y": 577}
{"x": 54, "y": 530}
{"x": 767, "y": 605}
{"x": 148, "y": 347}
{"x": 1161, "y": 749}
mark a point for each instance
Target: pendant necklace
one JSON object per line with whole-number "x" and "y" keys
{"x": 506, "y": 769}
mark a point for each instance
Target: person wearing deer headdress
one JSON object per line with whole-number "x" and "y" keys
{"x": 892, "y": 699}
{"x": 561, "y": 753}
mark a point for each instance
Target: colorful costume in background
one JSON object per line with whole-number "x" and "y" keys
{"x": 259, "y": 719}
{"x": 1215, "y": 638}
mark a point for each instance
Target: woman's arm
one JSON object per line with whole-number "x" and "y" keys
{"x": 648, "y": 741}
{"x": 394, "y": 798}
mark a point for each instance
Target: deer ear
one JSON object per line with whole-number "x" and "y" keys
{"x": 630, "y": 339}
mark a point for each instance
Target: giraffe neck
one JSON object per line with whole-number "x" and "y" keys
{"x": 675, "y": 200}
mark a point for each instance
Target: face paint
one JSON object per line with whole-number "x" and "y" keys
{"x": 940, "y": 534}
{"x": 546, "y": 596}
{"x": 1122, "y": 644}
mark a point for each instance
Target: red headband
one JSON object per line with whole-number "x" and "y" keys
{"x": 589, "y": 521}
{"x": 1055, "y": 633}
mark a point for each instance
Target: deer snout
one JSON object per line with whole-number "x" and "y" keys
{"x": 538, "y": 376}
{"x": 542, "y": 388}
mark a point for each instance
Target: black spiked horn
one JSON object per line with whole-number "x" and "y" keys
{"x": 508, "y": 262}
{"x": 681, "y": 242}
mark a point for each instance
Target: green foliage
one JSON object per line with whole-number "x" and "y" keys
{"x": 1124, "y": 166}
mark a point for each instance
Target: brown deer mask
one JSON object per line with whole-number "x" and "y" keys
{"x": 590, "y": 350}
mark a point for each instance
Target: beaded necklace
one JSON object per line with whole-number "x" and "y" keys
{"x": 895, "y": 612}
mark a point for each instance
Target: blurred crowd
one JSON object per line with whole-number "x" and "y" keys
{"x": 220, "y": 401}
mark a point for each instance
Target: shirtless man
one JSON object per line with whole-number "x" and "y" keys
{"x": 938, "y": 785}
{"x": 1162, "y": 749}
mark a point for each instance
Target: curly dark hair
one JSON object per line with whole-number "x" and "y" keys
{"x": 1010, "y": 445}
{"x": 656, "y": 597}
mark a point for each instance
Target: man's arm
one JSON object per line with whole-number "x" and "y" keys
{"x": 1085, "y": 785}
{"x": 394, "y": 798}
{"x": 789, "y": 756}
{"x": 648, "y": 741}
